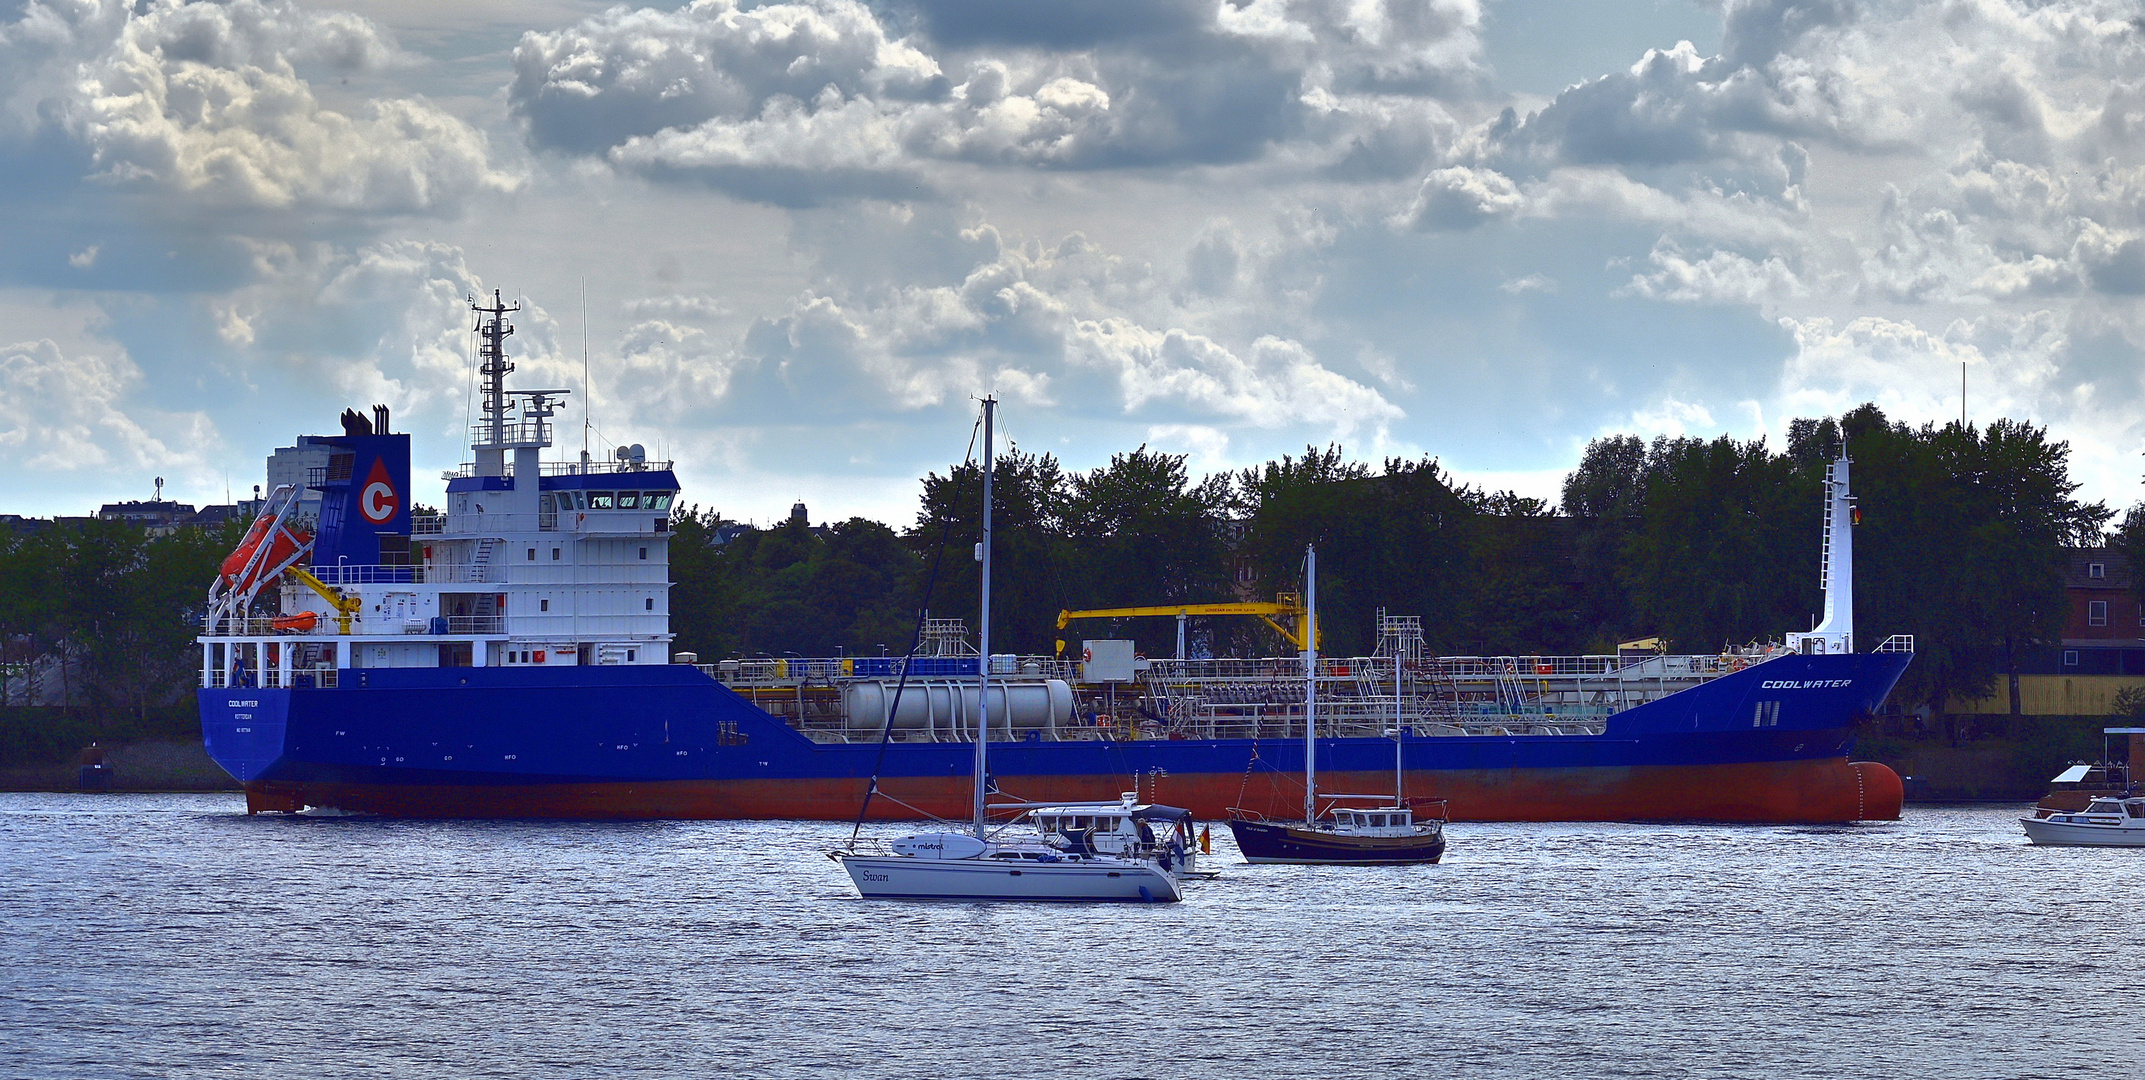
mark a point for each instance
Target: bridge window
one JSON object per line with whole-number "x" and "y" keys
{"x": 656, "y": 500}
{"x": 629, "y": 500}
{"x": 599, "y": 500}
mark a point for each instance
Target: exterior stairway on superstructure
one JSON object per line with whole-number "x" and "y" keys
{"x": 480, "y": 564}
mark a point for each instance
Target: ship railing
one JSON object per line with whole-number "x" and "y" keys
{"x": 1897, "y": 643}
{"x": 1446, "y": 668}
{"x": 468, "y": 469}
{"x": 826, "y": 670}
{"x": 1274, "y": 725}
{"x": 505, "y": 433}
{"x": 390, "y": 574}
{"x": 643, "y": 521}
{"x": 321, "y": 677}
{"x": 266, "y": 626}
{"x": 427, "y": 524}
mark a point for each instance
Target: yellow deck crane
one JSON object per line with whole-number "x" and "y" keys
{"x": 344, "y": 604}
{"x": 1285, "y": 606}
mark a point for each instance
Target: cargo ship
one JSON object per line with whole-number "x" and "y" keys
{"x": 511, "y": 658}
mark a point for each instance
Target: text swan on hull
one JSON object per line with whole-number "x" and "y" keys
{"x": 986, "y": 863}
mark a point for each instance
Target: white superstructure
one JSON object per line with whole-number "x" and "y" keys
{"x": 532, "y": 562}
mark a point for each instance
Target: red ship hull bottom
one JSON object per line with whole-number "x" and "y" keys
{"x": 1822, "y": 790}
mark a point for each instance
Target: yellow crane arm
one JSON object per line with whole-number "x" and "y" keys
{"x": 345, "y": 605}
{"x": 1263, "y": 611}
{"x": 1065, "y": 617}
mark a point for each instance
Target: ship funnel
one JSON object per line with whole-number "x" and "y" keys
{"x": 1835, "y": 632}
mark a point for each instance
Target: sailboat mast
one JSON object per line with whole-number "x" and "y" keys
{"x": 1400, "y": 741}
{"x": 1310, "y": 684}
{"x": 983, "y": 667}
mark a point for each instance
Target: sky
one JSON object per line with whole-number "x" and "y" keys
{"x": 791, "y": 242}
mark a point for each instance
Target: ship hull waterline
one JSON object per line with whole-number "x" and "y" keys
{"x": 506, "y": 743}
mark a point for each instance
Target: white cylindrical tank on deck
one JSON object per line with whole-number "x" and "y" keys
{"x": 948, "y": 709}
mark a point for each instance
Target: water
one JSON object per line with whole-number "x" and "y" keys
{"x": 172, "y": 936}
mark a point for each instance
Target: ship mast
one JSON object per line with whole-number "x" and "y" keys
{"x": 1310, "y": 684}
{"x": 1835, "y": 632}
{"x": 493, "y": 329}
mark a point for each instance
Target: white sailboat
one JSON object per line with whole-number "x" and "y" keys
{"x": 991, "y": 864}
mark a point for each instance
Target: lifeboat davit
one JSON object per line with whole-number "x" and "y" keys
{"x": 269, "y": 548}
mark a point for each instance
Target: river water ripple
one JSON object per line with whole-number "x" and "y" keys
{"x": 173, "y": 936}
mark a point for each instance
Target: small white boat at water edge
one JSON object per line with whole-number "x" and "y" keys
{"x": 957, "y": 866}
{"x": 2103, "y": 823}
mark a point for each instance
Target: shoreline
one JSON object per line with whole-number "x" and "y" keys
{"x": 147, "y": 766}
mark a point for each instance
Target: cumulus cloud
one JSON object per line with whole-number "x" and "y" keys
{"x": 68, "y": 414}
{"x": 1069, "y": 327}
{"x": 1462, "y": 198}
{"x": 1275, "y": 383}
{"x": 204, "y": 100}
{"x": 811, "y": 99}
{"x": 1719, "y": 277}
{"x": 204, "y": 103}
{"x": 387, "y": 322}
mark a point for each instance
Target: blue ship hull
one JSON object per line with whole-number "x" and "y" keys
{"x": 670, "y": 742}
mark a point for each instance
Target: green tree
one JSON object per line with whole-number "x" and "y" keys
{"x": 1519, "y": 589}
{"x": 1724, "y": 548}
{"x": 1140, "y": 533}
{"x": 1030, "y": 552}
{"x": 702, "y": 598}
{"x": 1606, "y": 499}
{"x": 1399, "y": 539}
{"x": 1960, "y": 543}
{"x": 2128, "y": 540}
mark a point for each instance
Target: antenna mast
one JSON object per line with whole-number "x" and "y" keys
{"x": 588, "y": 395}
{"x": 493, "y": 328}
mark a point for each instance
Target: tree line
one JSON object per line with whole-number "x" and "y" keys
{"x": 1707, "y": 543}
{"x": 102, "y": 616}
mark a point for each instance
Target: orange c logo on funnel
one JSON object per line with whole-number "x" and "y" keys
{"x": 378, "y": 502}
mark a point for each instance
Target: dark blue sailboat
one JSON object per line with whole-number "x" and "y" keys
{"x": 1344, "y": 837}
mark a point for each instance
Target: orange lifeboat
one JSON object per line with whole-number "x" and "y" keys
{"x": 242, "y": 569}
{"x": 301, "y": 623}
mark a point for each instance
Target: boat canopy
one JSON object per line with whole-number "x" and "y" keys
{"x": 1160, "y": 813}
{"x": 1137, "y": 812}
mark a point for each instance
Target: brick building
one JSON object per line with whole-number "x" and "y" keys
{"x": 2102, "y": 651}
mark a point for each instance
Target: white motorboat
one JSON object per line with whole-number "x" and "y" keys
{"x": 984, "y": 863}
{"x": 2107, "y": 822}
{"x": 1127, "y": 828}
